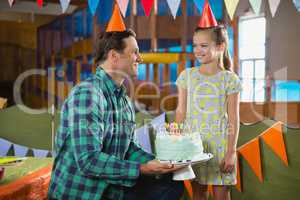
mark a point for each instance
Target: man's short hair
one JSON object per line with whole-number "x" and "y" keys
{"x": 107, "y": 41}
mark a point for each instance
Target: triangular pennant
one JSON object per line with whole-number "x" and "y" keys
{"x": 231, "y": 7}
{"x": 93, "y": 4}
{"x": 40, "y": 3}
{"x": 238, "y": 175}
{"x": 116, "y": 22}
{"x": 273, "y": 137}
{"x": 123, "y": 5}
{"x": 251, "y": 152}
{"x": 40, "y": 153}
{"x": 273, "y": 4}
{"x": 210, "y": 190}
{"x": 255, "y": 4}
{"x": 49, "y": 154}
{"x": 64, "y": 5}
{"x": 11, "y": 151}
{"x": 29, "y": 153}
{"x": 4, "y": 147}
{"x": 147, "y": 5}
{"x": 297, "y": 4}
{"x": 11, "y": 2}
{"x": 20, "y": 150}
{"x": 174, "y": 6}
{"x": 207, "y": 19}
{"x": 188, "y": 187}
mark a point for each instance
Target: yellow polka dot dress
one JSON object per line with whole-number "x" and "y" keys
{"x": 207, "y": 114}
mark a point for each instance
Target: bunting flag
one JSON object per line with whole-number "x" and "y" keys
{"x": 174, "y": 6}
{"x": 255, "y": 4}
{"x": 116, "y": 22}
{"x": 123, "y": 4}
{"x": 147, "y": 5}
{"x": 64, "y": 5}
{"x": 40, "y": 153}
{"x": 238, "y": 175}
{"x": 11, "y": 2}
{"x": 297, "y": 4}
{"x": 210, "y": 190}
{"x": 251, "y": 152}
{"x": 273, "y": 137}
{"x": 273, "y": 4}
{"x": 199, "y": 4}
{"x": 20, "y": 150}
{"x": 231, "y": 7}
{"x": 4, "y": 147}
{"x": 40, "y": 3}
{"x": 188, "y": 187}
{"x": 93, "y": 4}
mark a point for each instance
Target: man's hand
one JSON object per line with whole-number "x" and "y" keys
{"x": 156, "y": 167}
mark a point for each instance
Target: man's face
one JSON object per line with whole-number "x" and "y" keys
{"x": 130, "y": 57}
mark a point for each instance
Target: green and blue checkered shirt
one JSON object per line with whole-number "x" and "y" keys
{"x": 95, "y": 153}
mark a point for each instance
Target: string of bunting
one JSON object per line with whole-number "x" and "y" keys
{"x": 147, "y": 5}
{"x": 250, "y": 151}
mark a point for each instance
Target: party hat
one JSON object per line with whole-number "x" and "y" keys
{"x": 207, "y": 19}
{"x": 116, "y": 22}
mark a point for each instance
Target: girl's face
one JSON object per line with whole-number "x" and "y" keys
{"x": 205, "y": 49}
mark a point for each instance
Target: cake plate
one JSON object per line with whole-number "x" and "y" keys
{"x": 187, "y": 172}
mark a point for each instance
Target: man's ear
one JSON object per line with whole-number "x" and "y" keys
{"x": 113, "y": 55}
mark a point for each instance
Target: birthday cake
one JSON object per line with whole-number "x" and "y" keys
{"x": 178, "y": 147}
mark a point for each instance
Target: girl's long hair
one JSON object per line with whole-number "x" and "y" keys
{"x": 220, "y": 36}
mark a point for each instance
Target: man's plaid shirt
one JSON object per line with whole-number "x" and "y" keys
{"x": 95, "y": 152}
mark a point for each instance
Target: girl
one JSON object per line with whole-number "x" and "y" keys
{"x": 208, "y": 102}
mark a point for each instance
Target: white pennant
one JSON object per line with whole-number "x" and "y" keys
{"x": 64, "y": 5}
{"x": 4, "y": 147}
{"x": 297, "y": 4}
{"x": 255, "y": 5}
{"x": 173, "y": 5}
{"x": 20, "y": 150}
{"x": 231, "y": 7}
{"x": 11, "y": 2}
{"x": 40, "y": 153}
{"x": 123, "y": 4}
{"x": 273, "y": 4}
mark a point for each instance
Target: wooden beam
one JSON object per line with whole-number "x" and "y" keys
{"x": 184, "y": 28}
{"x": 153, "y": 27}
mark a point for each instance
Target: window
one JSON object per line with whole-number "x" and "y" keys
{"x": 252, "y": 34}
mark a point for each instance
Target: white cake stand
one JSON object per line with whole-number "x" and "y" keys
{"x": 187, "y": 172}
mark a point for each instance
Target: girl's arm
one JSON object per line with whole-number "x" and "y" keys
{"x": 181, "y": 105}
{"x": 233, "y": 131}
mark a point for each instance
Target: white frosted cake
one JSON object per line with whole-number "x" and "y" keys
{"x": 178, "y": 147}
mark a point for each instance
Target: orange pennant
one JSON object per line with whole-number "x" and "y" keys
{"x": 251, "y": 152}
{"x": 116, "y": 22}
{"x": 273, "y": 137}
{"x": 210, "y": 190}
{"x": 188, "y": 187}
{"x": 238, "y": 175}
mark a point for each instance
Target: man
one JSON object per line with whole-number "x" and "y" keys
{"x": 96, "y": 157}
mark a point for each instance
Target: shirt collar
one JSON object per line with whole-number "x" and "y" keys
{"x": 110, "y": 84}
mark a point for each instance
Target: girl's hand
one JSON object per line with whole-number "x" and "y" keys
{"x": 227, "y": 164}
